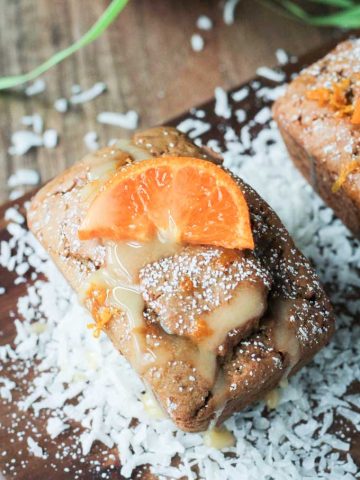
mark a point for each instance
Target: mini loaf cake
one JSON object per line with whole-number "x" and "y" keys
{"x": 209, "y": 329}
{"x": 319, "y": 119}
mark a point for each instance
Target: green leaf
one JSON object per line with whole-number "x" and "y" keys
{"x": 346, "y": 16}
{"x": 113, "y": 10}
{"x": 334, "y": 3}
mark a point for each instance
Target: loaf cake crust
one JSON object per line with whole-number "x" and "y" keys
{"x": 296, "y": 320}
{"x": 321, "y": 138}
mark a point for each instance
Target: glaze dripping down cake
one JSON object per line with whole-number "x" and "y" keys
{"x": 209, "y": 329}
{"x": 319, "y": 119}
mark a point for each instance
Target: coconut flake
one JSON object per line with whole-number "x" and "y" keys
{"x": 61, "y": 105}
{"x": 88, "y": 95}
{"x": 35, "y": 449}
{"x": 23, "y": 141}
{"x": 127, "y": 120}
{"x": 23, "y": 176}
{"x": 270, "y": 74}
{"x": 15, "y": 194}
{"x": 193, "y": 127}
{"x": 91, "y": 141}
{"x": 229, "y": 11}
{"x": 55, "y": 426}
{"x": 241, "y": 94}
{"x": 197, "y": 42}
{"x": 281, "y": 56}
{"x": 34, "y": 121}
{"x": 222, "y": 107}
{"x": 50, "y": 138}
{"x": 13, "y": 215}
{"x": 204, "y": 23}
{"x": 35, "y": 88}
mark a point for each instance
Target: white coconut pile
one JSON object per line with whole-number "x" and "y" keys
{"x": 83, "y": 381}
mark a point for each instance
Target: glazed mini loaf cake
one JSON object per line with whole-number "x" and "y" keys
{"x": 319, "y": 119}
{"x": 209, "y": 329}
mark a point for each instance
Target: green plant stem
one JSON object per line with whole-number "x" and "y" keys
{"x": 109, "y": 15}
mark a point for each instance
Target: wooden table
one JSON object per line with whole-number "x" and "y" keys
{"x": 145, "y": 59}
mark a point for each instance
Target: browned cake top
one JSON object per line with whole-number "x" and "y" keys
{"x": 317, "y": 111}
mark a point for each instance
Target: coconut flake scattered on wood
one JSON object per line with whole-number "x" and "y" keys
{"x": 61, "y": 105}
{"x": 50, "y": 138}
{"x": 87, "y": 95}
{"x": 127, "y": 120}
{"x": 229, "y": 11}
{"x": 271, "y": 74}
{"x": 239, "y": 95}
{"x": 193, "y": 127}
{"x": 222, "y": 107}
{"x": 197, "y": 42}
{"x": 91, "y": 141}
{"x": 35, "y": 449}
{"x": 35, "y": 88}
{"x": 35, "y": 121}
{"x": 281, "y": 56}
{"x": 204, "y": 23}
{"x": 23, "y": 176}
{"x": 23, "y": 141}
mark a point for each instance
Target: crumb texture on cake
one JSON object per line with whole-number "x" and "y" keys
{"x": 195, "y": 385}
{"x": 320, "y": 136}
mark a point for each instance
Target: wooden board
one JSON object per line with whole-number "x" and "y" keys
{"x": 145, "y": 58}
{"x": 15, "y": 445}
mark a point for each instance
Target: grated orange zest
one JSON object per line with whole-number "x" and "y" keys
{"x": 337, "y": 98}
{"x": 202, "y": 330}
{"x": 95, "y": 301}
{"x": 346, "y": 170}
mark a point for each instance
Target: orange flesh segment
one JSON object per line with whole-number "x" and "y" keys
{"x": 355, "y": 119}
{"x": 186, "y": 199}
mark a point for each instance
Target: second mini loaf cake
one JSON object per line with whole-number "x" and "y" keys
{"x": 319, "y": 119}
{"x": 216, "y": 328}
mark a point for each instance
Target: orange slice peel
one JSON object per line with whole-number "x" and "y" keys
{"x": 181, "y": 199}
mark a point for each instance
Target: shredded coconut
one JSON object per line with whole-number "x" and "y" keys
{"x": 23, "y": 141}
{"x": 194, "y": 128}
{"x": 90, "y": 94}
{"x": 241, "y": 94}
{"x": 222, "y": 108}
{"x": 204, "y": 23}
{"x": 229, "y": 11}
{"x": 127, "y": 120}
{"x": 91, "y": 141}
{"x": 35, "y": 449}
{"x": 34, "y": 121}
{"x": 61, "y": 105}
{"x": 270, "y": 74}
{"x": 23, "y": 176}
{"x": 50, "y": 138}
{"x": 35, "y": 88}
{"x": 281, "y": 56}
{"x": 197, "y": 42}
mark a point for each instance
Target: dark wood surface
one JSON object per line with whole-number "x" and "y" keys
{"x": 39, "y": 469}
{"x": 145, "y": 58}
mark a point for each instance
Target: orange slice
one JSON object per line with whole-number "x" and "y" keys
{"x": 181, "y": 199}
{"x": 355, "y": 119}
